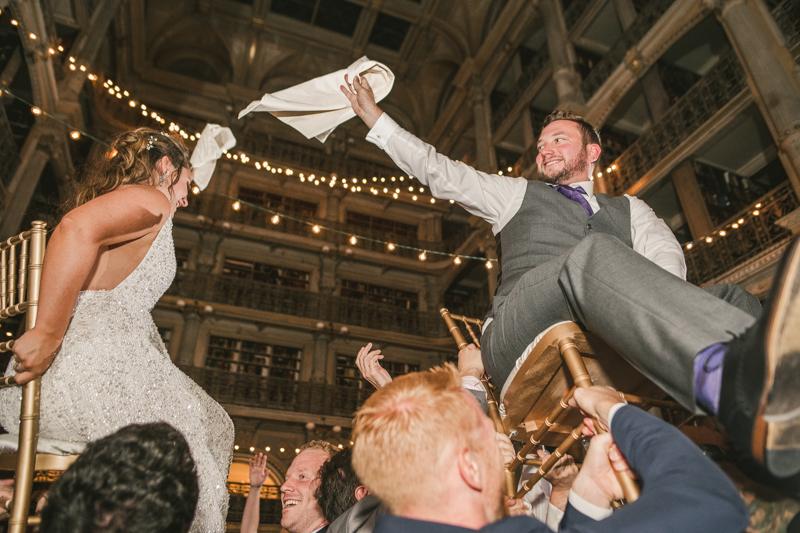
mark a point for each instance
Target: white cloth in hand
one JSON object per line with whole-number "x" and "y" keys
{"x": 213, "y": 142}
{"x": 316, "y": 107}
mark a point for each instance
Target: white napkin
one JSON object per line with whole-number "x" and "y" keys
{"x": 213, "y": 141}
{"x": 316, "y": 107}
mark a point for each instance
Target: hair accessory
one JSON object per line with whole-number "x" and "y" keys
{"x": 150, "y": 142}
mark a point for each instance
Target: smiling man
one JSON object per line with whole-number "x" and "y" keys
{"x": 300, "y": 511}
{"x": 568, "y": 253}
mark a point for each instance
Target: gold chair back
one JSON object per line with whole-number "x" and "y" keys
{"x": 21, "y": 259}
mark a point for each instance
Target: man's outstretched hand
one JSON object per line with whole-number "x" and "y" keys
{"x": 368, "y": 363}
{"x": 362, "y": 99}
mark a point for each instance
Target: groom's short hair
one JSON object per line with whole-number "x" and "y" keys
{"x": 141, "y": 478}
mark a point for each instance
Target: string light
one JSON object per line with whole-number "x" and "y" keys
{"x": 236, "y": 205}
{"x": 275, "y": 219}
{"x": 489, "y": 265}
{"x": 195, "y": 190}
{"x": 36, "y": 110}
{"x": 353, "y": 240}
{"x": 75, "y": 134}
{"x": 14, "y": 22}
{"x": 457, "y": 260}
{"x": 32, "y": 36}
{"x": 390, "y": 247}
{"x": 423, "y": 256}
{"x": 315, "y": 228}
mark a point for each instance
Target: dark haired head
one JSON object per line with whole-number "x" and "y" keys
{"x": 589, "y": 134}
{"x": 140, "y": 479}
{"x": 337, "y": 486}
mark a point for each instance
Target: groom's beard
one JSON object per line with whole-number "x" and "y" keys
{"x": 578, "y": 165}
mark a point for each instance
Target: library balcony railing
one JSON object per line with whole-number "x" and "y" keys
{"x": 701, "y": 102}
{"x": 275, "y": 393}
{"x": 756, "y": 233}
{"x": 787, "y": 16}
{"x": 706, "y": 97}
{"x": 526, "y": 79}
{"x": 221, "y": 209}
{"x": 644, "y": 21}
{"x": 250, "y": 294}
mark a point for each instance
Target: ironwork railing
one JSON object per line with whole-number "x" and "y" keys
{"x": 704, "y": 99}
{"x": 695, "y": 108}
{"x": 756, "y": 233}
{"x": 221, "y": 208}
{"x": 281, "y": 394}
{"x": 269, "y": 511}
{"x": 192, "y": 285}
{"x": 787, "y": 16}
{"x": 529, "y": 74}
{"x": 644, "y": 21}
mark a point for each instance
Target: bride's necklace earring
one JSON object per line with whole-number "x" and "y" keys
{"x": 161, "y": 179}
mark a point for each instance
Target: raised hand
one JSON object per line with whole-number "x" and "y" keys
{"x": 367, "y": 363}
{"x": 362, "y": 99}
{"x": 258, "y": 470}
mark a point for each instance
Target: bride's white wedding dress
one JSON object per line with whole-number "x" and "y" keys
{"x": 113, "y": 370}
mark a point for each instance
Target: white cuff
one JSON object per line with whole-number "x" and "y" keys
{"x": 554, "y": 516}
{"x": 382, "y": 131}
{"x": 611, "y": 412}
{"x": 589, "y": 509}
{"x": 472, "y": 383}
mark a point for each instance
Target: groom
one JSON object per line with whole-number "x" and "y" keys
{"x": 610, "y": 263}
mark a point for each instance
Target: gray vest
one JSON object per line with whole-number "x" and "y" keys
{"x": 547, "y": 226}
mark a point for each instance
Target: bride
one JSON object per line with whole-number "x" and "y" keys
{"x": 102, "y": 361}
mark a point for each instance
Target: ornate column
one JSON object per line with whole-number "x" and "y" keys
{"x": 486, "y": 160}
{"x": 562, "y": 56}
{"x": 690, "y": 196}
{"x": 319, "y": 371}
{"x": 772, "y": 73}
{"x": 192, "y": 320}
{"x": 654, "y": 93}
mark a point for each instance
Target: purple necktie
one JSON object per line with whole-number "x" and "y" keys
{"x": 576, "y": 195}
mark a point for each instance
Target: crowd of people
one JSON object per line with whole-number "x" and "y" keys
{"x": 425, "y": 455}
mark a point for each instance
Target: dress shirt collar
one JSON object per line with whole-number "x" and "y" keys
{"x": 588, "y": 186}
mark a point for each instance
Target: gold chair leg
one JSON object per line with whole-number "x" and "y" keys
{"x": 453, "y": 328}
{"x": 549, "y": 421}
{"x": 26, "y": 457}
{"x": 572, "y": 357}
{"x": 551, "y": 460}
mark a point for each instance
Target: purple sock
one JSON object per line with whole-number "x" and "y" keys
{"x": 708, "y": 376}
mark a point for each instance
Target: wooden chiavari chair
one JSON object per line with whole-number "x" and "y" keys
{"x": 21, "y": 260}
{"x": 536, "y": 400}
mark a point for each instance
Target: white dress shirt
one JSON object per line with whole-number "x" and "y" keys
{"x": 496, "y": 199}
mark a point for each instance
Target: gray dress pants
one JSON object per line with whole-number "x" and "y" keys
{"x": 653, "y": 319}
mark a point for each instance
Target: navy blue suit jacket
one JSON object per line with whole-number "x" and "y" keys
{"x": 682, "y": 490}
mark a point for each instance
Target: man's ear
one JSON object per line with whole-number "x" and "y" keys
{"x": 593, "y": 152}
{"x": 469, "y": 469}
{"x": 361, "y": 491}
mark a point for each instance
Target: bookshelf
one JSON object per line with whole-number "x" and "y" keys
{"x": 253, "y": 358}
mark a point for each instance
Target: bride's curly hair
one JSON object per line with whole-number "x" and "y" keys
{"x": 130, "y": 159}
